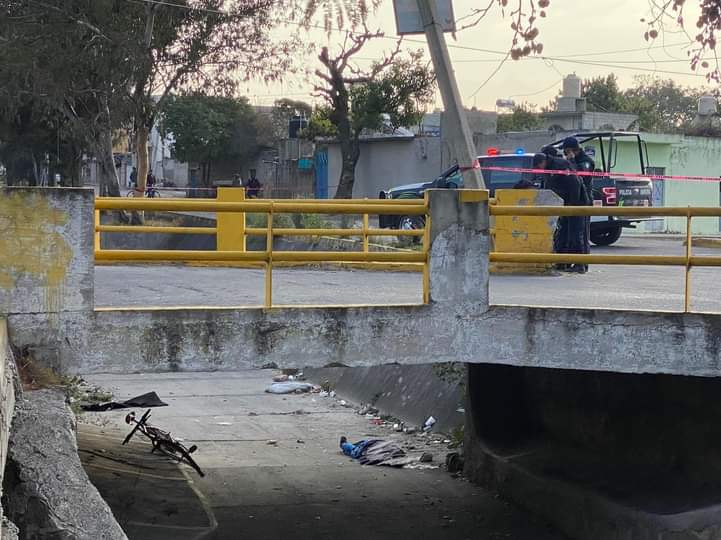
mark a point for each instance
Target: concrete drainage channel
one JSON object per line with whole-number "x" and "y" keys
{"x": 48, "y": 493}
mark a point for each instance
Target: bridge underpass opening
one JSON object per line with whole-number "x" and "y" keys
{"x": 558, "y": 439}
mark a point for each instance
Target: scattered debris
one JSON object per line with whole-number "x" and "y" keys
{"x": 420, "y": 466}
{"x": 300, "y": 441}
{"x": 252, "y": 413}
{"x": 428, "y": 425}
{"x": 426, "y": 457}
{"x": 367, "y": 409}
{"x": 269, "y": 365}
{"x": 271, "y": 442}
{"x": 398, "y": 427}
{"x": 289, "y": 388}
{"x": 150, "y": 399}
{"x": 280, "y": 378}
{"x": 224, "y": 423}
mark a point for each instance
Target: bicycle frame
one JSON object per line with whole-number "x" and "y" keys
{"x": 161, "y": 440}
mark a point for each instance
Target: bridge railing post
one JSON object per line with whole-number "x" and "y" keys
{"x": 459, "y": 249}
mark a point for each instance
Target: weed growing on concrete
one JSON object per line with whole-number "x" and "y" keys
{"x": 457, "y": 436}
{"x": 36, "y": 376}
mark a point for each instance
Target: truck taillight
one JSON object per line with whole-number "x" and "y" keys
{"x": 610, "y": 194}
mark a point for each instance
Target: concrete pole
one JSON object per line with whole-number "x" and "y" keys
{"x": 459, "y": 136}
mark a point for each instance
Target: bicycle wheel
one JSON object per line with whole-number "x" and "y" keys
{"x": 178, "y": 452}
{"x": 137, "y": 426}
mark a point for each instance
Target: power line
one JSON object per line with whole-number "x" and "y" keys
{"x": 539, "y": 92}
{"x": 417, "y": 41}
{"x": 493, "y": 74}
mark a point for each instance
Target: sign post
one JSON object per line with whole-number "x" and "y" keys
{"x": 435, "y": 17}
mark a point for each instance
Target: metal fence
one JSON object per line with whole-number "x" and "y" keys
{"x": 688, "y": 260}
{"x": 270, "y": 257}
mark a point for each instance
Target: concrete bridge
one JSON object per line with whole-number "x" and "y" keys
{"x": 604, "y": 421}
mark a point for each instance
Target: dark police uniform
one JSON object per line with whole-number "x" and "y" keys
{"x": 584, "y": 163}
{"x": 570, "y": 234}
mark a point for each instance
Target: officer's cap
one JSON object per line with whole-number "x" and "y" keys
{"x": 570, "y": 142}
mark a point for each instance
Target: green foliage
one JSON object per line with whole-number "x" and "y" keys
{"x": 662, "y": 105}
{"x": 320, "y": 124}
{"x": 288, "y": 221}
{"x": 522, "y": 118}
{"x": 209, "y": 128}
{"x": 313, "y": 221}
{"x": 260, "y": 221}
{"x": 401, "y": 92}
{"x": 603, "y": 94}
{"x": 86, "y": 68}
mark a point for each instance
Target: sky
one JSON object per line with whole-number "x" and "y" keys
{"x": 587, "y": 37}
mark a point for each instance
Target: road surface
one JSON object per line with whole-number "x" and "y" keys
{"x": 605, "y": 286}
{"x": 299, "y": 487}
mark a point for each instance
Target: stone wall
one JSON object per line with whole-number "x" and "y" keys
{"x": 8, "y": 380}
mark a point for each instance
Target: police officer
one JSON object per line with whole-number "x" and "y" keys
{"x": 583, "y": 163}
{"x": 570, "y": 234}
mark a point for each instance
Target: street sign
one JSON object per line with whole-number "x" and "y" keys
{"x": 408, "y": 17}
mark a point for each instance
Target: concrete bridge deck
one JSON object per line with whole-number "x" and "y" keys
{"x": 605, "y": 287}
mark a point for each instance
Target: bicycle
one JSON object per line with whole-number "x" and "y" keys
{"x": 162, "y": 441}
{"x": 150, "y": 192}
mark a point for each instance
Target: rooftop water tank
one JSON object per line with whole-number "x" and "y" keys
{"x": 706, "y": 105}
{"x": 572, "y": 86}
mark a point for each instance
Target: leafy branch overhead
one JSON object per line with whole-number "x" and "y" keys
{"x": 707, "y": 27}
{"x": 524, "y": 15}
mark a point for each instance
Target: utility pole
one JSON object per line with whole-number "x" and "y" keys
{"x": 459, "y": 136}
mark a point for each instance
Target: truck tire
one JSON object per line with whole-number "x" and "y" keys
{"x": 606, "y": 237}
{"x": 411, "y": 223}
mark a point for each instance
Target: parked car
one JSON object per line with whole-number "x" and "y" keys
{"x": 607, "y": 190}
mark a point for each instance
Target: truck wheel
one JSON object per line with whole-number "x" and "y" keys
{"x": 411, "y": 223}
{"x": 606, "y": 237}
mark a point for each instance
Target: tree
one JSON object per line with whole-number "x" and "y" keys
{"x": 603, "y": 94}
{"x": 200, "y": 44}
{"x": 206, "y": 129}
{"x": 661, "y": 105}
{"x": 521, "y": 118}
{"x": 357, "y": 100}
{"x": 61, "y": 73}
{"x": 104, "y": 64}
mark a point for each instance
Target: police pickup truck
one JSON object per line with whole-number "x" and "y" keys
{"x": 608, "y": 190}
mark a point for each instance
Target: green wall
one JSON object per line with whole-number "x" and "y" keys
{"x": 680, "y": 156}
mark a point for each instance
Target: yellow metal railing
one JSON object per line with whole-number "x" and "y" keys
{"x": 234, "y": 249}
{"x": 687, "y": 261}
